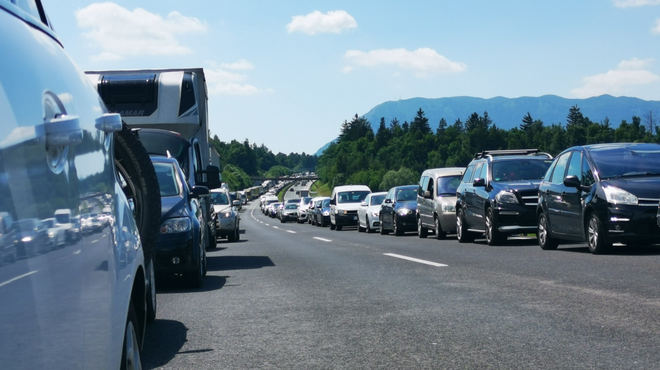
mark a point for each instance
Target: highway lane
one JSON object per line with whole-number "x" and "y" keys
{"x": 296, "y": 296}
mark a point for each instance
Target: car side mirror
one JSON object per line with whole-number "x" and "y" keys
{"x": 572, "y": 182}
{"x": 213, "y": 179}
{"x": 363, "y": 204}
{"x": 199, "y": 191}
{"x": 236, "y": 203}
{"x": 427, "y": 195}
{"x": 332, "y": 202}
{"x": 388, "y": 201}
{"x": 479, "y": 182}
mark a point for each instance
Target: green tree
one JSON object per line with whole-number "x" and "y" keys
{"x": 404, "y": 176}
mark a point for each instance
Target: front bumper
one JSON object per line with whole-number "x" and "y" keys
{"x": 629, "y": 224}
{"x": 173, "y": 247}
{"x": 349, "y": 219}
{"x": 514, "y": 219}
{"x": 225, "y": 227}
{"x": 406, "y": 223}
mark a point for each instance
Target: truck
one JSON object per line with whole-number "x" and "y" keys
{"x": 170, "y": 109}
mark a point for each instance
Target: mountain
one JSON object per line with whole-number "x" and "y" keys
{"x": 508, "y": 113}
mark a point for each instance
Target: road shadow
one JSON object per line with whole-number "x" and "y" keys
{"x": 616, "y": 250}
{"x": 162, "y": 341}
{"x": 178, "y": 284}
{"x": 225, "y": 263}
{"x": 511, "y": 242}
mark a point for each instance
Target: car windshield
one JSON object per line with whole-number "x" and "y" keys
{"x": 377, "y": 200}
{"x": 447, "y": 185}
{"x": 352, "y": 196}
{"x": 326, "y": 203}
{"x": 166, "y": 179}
{"x": 520, "y": 170}
{"x": 405, "y": 195}
{"x": 220, "y": 198}
{"x": 626, "y": 162}
{"x": 26, "y": 225}
{"x": 291, "y": 206}
{"x": 49, "y": 223}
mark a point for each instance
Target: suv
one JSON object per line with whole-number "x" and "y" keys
{"x": 436, "y": 201}
{"x": 344, "y": 203}
{"x": 85, "y": 306}
{"x": 601, "y": 194}
{"x": 498, "y": 194}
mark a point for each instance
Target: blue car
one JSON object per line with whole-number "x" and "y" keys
{"x": 63, "y": 155}
{"x": 180, "y": 248}
{"x": 398, "y": 212}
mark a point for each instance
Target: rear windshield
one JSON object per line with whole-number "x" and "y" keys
{"x": 626, "y": 162}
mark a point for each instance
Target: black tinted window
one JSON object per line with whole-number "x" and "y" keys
{"x": 574, "y": 166}
{"x": 560, "y": 169}
{"x": 467, "y": 176}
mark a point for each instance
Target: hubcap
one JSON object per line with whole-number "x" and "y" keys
{"x": 593, "y": 233}
{"x": 132, "y": 349}
{"x": 542, "y": 231}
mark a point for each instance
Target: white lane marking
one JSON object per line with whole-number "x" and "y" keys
{"x": 323, "y": 240}
{"x": 291, "y": 231}
{"x": 415, "y": 260}
{"x": 18, "y": 277}
{"x": 267, "y": 224}
{"x": 275, "y": 227}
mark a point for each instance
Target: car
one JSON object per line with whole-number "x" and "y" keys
{"x": 273, "y": 209}
{"x": 398, "y": 212}
{"x": 268, "y": 199}
{"x": 90, "y": 223}
{"x": 7, "y": 239}
{"x": 303, "y": 208}
{"x": 344, "y": 203}
{"x": 31, "y": 237}
{"x": 228, "y": 219}
{"x": 369, "y": 212}
{"x": 436, "y": 201}
{"x": 86, "y": 307}
{"x": 322, "y": 211}
{"x": 498, "y": 194}
{"x": 56, "y": 234}
{"x": 601, "y": 194}
{"x": 180, "y": 247}
{"x": 289, "y": 212}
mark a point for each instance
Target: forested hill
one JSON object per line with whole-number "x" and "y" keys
{"x": 507, "y": 113}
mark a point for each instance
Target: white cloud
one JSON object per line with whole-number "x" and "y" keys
{"x": 317, "y": 22}
{"x": 423, "y": 60}
{"x": 222, "y": 82}
{"x": 634, "y": 3}
{"x": 120, "y": 32}
{"x": 656, "y": 28}
{"x": 628, "y": 75}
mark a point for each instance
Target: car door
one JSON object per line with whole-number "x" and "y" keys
{"x": 387, "y": 211}
{"x": 465, "y": 194}
{"x": 554, "y": 192}
{"x": 475, "y": 198}
{"x": 572, "y": 197}
{"x": 424, "y": 203}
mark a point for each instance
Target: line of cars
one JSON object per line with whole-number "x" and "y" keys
{"x": 600, "y": 194}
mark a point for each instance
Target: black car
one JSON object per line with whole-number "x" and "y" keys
{"x": 180, "y": 247}
{"x": 498, "y": 194}
{"x": 601, "y": 194}
{"x": 398, "y": 212}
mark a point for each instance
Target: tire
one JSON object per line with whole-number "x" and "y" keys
{"x": 493, "y": 236}
{"x": 231, "y": 237}
{"x": 140, "y": 185}
{"x": 546, "y": 242}
{"x": 368, "y": 229}
{"x": 397, "y": 229}
{"x": 338, "y": 228}
{"x": 196, "y": 278}
{"x": 596, "y": 236}
{"x": 332, "y": 226}
{"x": 382, "y": 229}
{"x": 130, "y": 355}
{"x": 421, "y": 231}
{"x": 152, "y": 303}
{"x": 437, "y": 228}
{"x": 360, "y": 229}
{"x": 213, "y": 240}
{"x": 462, "y": 234}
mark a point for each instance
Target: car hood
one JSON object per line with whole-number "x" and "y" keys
{"x": 641, "y": 187}
{"x": 518, "y": 185}
{"x": 173, "y": 207}
{"x": 409, "y": 204}
{"x": 348, "y": 206}
{"x": 221, "y": 208}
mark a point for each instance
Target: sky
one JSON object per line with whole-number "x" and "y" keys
{"x": 288, "y": 73}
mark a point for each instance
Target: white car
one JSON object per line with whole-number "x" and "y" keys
{"x": 369, "y": 211}
{"x": 56, "y": 233}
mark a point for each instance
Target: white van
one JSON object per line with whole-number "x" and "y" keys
{"x": 344, "y": 204}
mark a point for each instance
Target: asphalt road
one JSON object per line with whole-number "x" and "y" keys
{"x": 296, "y": 296}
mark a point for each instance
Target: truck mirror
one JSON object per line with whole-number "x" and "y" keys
{"x": 199, "y": 191}
{"x": 212, "y": 177}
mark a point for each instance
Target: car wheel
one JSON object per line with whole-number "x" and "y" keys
{"x": 213, "y": 240}
{"x": 152, "y": 304}
{"x": 437, "y": 228}
{"x": 368, "y": 229}
{"x": 360, "y": 228}
{"x": 196, "y": 278}
{"x": 546, "y": 242}
{"x": 231, "y": 237}
{"x": 332, "y": 226}
{"x": 130, "y": 355}
{"x": 382, "y": 229}
{"x": 338, "y": 228}
{"x": 397, "y": 228}
{"x": 238, "y": 233}
{"x": 139, "y": 183}
{"x": 462, "y": 234}
{"x": 596, "y": 236}
{"x": 493, "y": 236}
{"x": 421, "y": 231}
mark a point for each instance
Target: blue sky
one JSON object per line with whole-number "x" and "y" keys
{"x": 288, "y": 73}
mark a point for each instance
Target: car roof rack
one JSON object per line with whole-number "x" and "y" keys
{"x": 494, "y": 153}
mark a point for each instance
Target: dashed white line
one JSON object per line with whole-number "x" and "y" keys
{"x": 415, "y": 260}
{"x": 275, "y": 227}
{"x": 18, "y": 277}
{"x": 323, "y": 240}
{"x": 291, "y": 231}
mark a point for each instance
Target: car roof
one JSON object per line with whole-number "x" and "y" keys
{"x": 447, "y": 171}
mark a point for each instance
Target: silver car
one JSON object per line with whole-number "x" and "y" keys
{"x": 227, "y": 217}
{"x": 369, "y": 212}
{"x": 436, "y": 201}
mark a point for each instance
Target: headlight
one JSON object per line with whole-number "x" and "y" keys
{"x": 506, "y": 197}
{"x": 175, "y": 225}
{"x": 26, "y": 239}
{"x": 618, "y": 196}
{"x": 224, "y": 215}
{"x": 375, "y": 213}
{"x": 326, "y": 213}
{"x": 51, "y": 234}
{"x": 448, "y": 208}
{"x": 405, "y": 212}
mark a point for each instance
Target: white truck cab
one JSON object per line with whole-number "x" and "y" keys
{"x": 344, "y": 204}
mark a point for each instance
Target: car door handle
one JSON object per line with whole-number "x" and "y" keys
{"x": 63, "y": 130}
{"x": 109, "y": 123}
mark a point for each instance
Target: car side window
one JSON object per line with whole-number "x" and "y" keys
{"x": 587, "y": 175}
{"x": 479, "y": 171}
{"x": 560, "y": 169}
{"x": 574, "y": 166}
{"x": 467, "y": 176}
{"x": 423, "y": 184}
